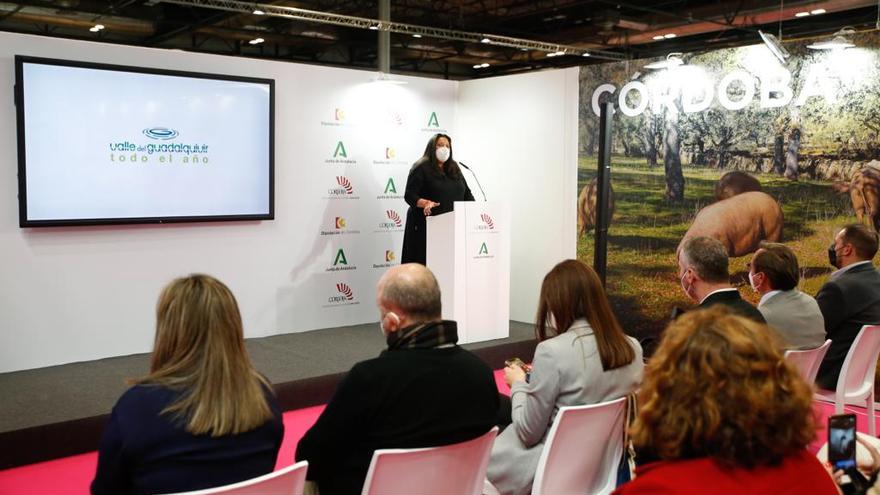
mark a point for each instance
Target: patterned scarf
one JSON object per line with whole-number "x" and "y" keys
{"x": 424, "y": 336}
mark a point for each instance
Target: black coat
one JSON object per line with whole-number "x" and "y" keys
{"x": 143, "y": 451}
{"x": 425, "y": 183}
{"x": 847, "y": 302}
{"x": 406, "y": 398}
{"x": 736, "y": 303}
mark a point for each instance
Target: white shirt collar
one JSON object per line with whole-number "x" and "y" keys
{"x": 846, "y": 269}
{"x": 715, "y": 292}
{"x": 766, "y": 297}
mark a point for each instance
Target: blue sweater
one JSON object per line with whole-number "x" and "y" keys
{"x": 145, "y": 452}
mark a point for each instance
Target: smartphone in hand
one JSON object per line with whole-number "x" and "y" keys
{"x": 842, "y": 441}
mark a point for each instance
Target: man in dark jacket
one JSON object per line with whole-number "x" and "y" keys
{"x": 850, "y": 298}
{"x": 423, "y": 391}
{"x": 703, "y": 270}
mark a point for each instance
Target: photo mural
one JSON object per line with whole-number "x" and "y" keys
{"x": 732, "y": 144}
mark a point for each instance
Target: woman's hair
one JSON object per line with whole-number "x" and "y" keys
{"x": 199, "y": 350}
{"x": 450, "y": 168}
{"x": 572, "y": 290}
{"x": 719, "y": 387}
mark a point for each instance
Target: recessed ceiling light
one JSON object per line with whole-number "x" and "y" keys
{"x": 258, "y": 12}
{"x": 818, "y": 11}
{"x": 478, "y": 66}
{"x": 374, "y": 28}
{"x": 658, "y": 37}
{"x": 802, "y": 14}
{"x": 94, "y": 29}
{"x": 256, "y": 41}
{"x": 417, "y": 36}
{"x": 669, "y": 35}
{"x": 586, "y": 54}
{"x": 485, "y": 40}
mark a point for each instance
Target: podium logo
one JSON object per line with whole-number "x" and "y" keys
{"x": 484, "y": 252}
{"x": 161, "y": 133}
{"x": 339, "y": 115}
{"x": 488, "y": 223}
{"x": 483, "y": 249}
{"x": 390, "y": 153}
{"x": 340, "y": 223}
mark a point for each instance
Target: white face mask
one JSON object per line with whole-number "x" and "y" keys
{"x": 442, "y": 154}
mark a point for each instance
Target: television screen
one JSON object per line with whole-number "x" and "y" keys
{"x": 106, "y": 144}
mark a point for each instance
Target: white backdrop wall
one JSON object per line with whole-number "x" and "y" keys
{"x": 519, "y": 133}
{"x": 73, "y": 294}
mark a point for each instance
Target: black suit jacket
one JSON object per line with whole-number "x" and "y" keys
{"x": 405, "y": 398}
{"x": 736, "y": 303}
{"x": 847, "y": 302}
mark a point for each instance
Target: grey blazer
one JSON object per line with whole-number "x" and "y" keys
{"x": 566, "y": 371}
{"x": 796, "y": 317}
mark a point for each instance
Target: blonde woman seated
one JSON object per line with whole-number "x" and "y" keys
{"x": 583, "y": 358}
{"x": 203, "y": 417}
{"x": 725, "y": 414}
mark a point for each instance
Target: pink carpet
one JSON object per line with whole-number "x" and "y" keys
{"x": 72, "y": 475}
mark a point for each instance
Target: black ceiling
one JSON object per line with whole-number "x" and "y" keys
{"x": 624, "y": 29}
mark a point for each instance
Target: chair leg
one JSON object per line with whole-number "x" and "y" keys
{"x": 872, "y": 427}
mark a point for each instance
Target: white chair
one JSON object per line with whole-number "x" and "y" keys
{"x": 807, "y": 361}
{"x": 458, "y": 469}
{"x": 855, "y": 385}
{"x": 582, "y": 450}
{"x": 286, "y": 481}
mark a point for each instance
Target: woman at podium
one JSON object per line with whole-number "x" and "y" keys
{"x": 435, "y": 181}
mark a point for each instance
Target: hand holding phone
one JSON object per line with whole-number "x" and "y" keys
{"x": 842, "y": 441}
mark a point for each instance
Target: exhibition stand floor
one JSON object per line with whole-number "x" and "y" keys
{"x": 59, "y": 411}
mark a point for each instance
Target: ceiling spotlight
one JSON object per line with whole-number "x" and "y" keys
{"x": 478, "y": 66}
{"x": 417, "y": 36}
{"x": 672, "y": 61}
{"x": 818, "y": 11}
{"x": 802, "y": 14}
{"x": 669, "y": 35}
{"x": 586, "y": 54}
{"x": 94, "y": 29}
{"x": 256, "y": 41}
{"x": 258, "y": 12}
{"x": 774, "y": 46}
{"x": 374, "y": 27}
{"x": 485, "y": 40}
{"x": 839, "y": 41}
{"x": 556, "y": 54}
{"x": 658, "y": 37}
{"x": 484, "y": 65}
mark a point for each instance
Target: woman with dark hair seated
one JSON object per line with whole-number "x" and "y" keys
{"x": 583, "y": 358}
{"x": 724, "y": 413}
{"x": 203, "y": 417}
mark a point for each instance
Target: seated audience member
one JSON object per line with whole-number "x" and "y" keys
{"x": 850, "y": 298}
{"x": 703, "y": 273}
{"x": 203, "y": 417}
{"x": 423, "y": 391}
{"x": 774, "y": 274}
{"x": 583, "y": 358}
{"x": 724, "y": 413}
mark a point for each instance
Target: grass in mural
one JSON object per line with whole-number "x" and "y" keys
{"x": 646, "y": 229}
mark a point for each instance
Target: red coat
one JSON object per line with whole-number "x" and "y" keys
{"x": 798, "y": 474}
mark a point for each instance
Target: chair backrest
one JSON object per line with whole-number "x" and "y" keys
{"x": 459, "y": 468}
{"x": 582, "y": 450}
{"x": 857, "y": 373}
{"x": 807, "y": 361}
{"x": 287, "y": 481}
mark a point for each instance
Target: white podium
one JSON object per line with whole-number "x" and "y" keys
{"x": 468, "y": 250}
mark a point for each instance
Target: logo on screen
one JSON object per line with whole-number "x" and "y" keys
{"x": 390, "y": 153}
{"x": 340, "y": 223}
{"x": 162, "y": 133}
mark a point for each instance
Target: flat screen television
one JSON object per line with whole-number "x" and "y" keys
{"x": 109, "y": 144}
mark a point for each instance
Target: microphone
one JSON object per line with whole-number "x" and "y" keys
{"x": 475, "y": 177}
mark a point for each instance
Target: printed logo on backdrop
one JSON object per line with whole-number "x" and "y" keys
{"x": 343, "y": 189}
{"x": 483, "y": 253}
{"x": 343, "y": 296}
{"x": 390, "y": 260}
{"x": 155, "y": 150}
{"x": 391, "y": 223}
{"x": 395, "y": 118}
{"x": 340, "y": 262}
{"x": 389, "y": 158}
{"x": 390, "y": 191}
{"x": 340, "y": 156}
{"x": 339, "y": 118}
{"x": 433, "y": 124}
{"x": 338, "y": 226}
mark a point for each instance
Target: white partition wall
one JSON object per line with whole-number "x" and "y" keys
{"x": 74, "y": 294}
{"x": 519, "y": 133}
